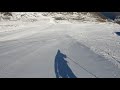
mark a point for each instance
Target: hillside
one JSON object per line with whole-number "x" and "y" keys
{"x": 34, "y": 16}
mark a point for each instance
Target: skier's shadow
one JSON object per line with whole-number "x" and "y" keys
{"x": 62, "y": 70}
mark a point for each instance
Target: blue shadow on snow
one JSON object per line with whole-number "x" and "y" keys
{"x": 62, "y": 70}
{"x": 118, "y": 33}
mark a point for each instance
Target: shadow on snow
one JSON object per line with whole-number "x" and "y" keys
{"x": 62, "y": 70}
{"x": 118, "y": 33}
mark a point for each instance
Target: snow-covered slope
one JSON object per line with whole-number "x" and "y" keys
{"x": 23, "y": 16}
{"x": 18, "y": 20}
{"x": 31, "y": 48}
{"x": 34, "y": 16}
{"x": 91, "y": 49}
{"x": 76, "y": 16}
{"x": 101, "y": 38}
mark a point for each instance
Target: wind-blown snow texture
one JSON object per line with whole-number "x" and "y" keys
{"x": 42, "y": 48}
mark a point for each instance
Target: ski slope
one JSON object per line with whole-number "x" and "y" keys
{"x": 64, "y": 50}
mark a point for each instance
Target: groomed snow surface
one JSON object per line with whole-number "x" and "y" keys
{"x": 47, "y": 49}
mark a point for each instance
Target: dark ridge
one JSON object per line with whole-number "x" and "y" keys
{"x": 111, "y": 15}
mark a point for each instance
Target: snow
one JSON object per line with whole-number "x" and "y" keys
{"x": 100, "y": 38}
{"x": 29, "y": 48}
{"x": 20, "y": 20}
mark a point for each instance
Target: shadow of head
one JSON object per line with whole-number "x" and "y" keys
{"x": 59, "y": 54}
